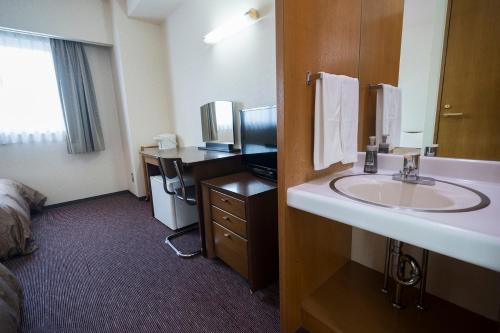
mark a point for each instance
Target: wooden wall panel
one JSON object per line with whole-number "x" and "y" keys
{"x": 359, "y": 38}
{"x": 312, "y": 35}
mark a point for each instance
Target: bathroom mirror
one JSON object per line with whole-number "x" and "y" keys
{"x": 217, "y": 122}
{"x": 449, "y": 75}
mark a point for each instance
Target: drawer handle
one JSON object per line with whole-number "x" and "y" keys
{"x": 225, "y": 218}
{"x": 224, "y": 200}
{"x": 227, "y": 235}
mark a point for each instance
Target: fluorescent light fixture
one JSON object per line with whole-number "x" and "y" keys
{"x": 232, "y": 27}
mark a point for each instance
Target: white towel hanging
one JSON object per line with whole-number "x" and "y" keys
{"x": 335, "y": 120}
{"x": 349, "y": 119}
{"x": 388, "y": 114}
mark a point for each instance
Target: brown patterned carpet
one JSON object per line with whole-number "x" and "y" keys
{"x": 102, "y": 266}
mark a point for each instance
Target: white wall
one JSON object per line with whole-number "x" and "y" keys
{"x": 240, "y": 69}
{"x": 140, "y": 67}
{"x": 420, "y": 65}
{"x": 85, "y": 20}
{"x": 151, "y": 10}
{"x": 139, "y": 62}
{"x": 48, "y": 167}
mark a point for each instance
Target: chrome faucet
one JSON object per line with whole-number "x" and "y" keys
{"x": 409, "y": 174}
{"x": 410, "y": 167}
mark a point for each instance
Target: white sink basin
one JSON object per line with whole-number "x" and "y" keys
{"x": 445, "y": 218}
{"x": 381, "y": 190}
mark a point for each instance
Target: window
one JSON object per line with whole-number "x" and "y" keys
{"x": 30, "y": 108}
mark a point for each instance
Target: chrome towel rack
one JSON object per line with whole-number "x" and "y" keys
{"x": 319, "y": 75}
{"x": 309, "y": 77}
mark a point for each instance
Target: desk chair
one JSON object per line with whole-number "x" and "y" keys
{"x": 172, "y": 168}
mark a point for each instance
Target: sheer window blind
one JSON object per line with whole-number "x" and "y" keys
{"x": 30, "y": 107}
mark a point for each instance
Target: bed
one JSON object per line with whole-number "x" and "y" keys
{"x": 17, "y": 201}
{"x": 11, "y": 299}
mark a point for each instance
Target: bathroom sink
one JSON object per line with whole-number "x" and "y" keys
{"x": 447, "y": 218}
{"x": 382, "y": 190}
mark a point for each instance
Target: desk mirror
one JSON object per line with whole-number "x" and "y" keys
{"x": 217, "y": 122}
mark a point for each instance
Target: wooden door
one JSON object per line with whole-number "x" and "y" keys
{"x": 469, "y": 110}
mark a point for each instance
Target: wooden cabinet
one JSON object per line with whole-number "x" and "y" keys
{"x": 229, "y": 221}
{"x": 231, "y": 248}
{"x": 351, "y": 301}
{"x": 241, "y": 225}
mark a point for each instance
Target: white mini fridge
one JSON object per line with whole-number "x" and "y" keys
{"x": 169, "y": 210}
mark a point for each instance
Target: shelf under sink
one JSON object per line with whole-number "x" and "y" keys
{"x": 351, "y": 301}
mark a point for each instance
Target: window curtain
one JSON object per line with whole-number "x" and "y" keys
{"x": 30, "y": 110}
{"x": 209, "y": 122}
{"x": 76, "y": 91}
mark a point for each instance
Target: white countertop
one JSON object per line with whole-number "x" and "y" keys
{"x": 473, "y": 236}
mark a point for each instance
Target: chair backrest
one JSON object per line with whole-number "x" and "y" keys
{"x": 171, "y": 168}
{"x": 167, "y": 167}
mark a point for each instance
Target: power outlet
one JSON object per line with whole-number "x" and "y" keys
{"x": 132, "y": 177}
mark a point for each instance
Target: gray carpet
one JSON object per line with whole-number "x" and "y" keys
{"x": 102, "y": 266}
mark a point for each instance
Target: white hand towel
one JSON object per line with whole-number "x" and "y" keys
{"x": 388, "y": 114}
{"x": 349, "y": 109}
{"x": 335, "y": 120}
{"x": 327, "y": 142}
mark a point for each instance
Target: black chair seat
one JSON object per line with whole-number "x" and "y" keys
{"x": 190, "y": 194}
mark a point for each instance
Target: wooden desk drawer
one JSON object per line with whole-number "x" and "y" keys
{"x": 229, "y": 221}
{"x": 227, "y": 203}
{"x": 231, "y": 248}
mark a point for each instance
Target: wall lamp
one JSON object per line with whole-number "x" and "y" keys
{"x": 232, "y": 27}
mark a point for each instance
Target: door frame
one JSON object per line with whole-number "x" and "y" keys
{"x": 443, "y": 66}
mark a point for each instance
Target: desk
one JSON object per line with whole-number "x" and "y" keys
{"x": 199, "y": 164}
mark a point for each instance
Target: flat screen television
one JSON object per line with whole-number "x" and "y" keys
{"x": 258, "y": 140}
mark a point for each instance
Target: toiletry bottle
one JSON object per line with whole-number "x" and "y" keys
{"x": 371, "y": 156}
{"x": 383, "y": 147}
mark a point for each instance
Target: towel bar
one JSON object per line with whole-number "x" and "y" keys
{"x": 319, "y": 75}
{"x": 309, "y": 77}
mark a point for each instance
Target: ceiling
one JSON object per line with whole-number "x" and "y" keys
{"x": 151, "y": 10}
